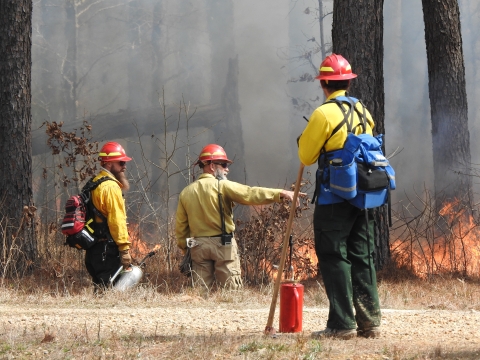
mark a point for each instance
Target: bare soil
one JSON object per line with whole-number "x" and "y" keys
{"x": 70, "y": 329}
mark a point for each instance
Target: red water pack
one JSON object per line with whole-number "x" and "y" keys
{"x": 75, "y": 214}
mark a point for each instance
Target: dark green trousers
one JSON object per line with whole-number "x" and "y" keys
{"x": 346, "y": 264}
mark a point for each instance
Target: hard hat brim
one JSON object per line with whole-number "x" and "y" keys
{"x": 118, "y": 158}
{"x": 336, "y": 77}
{"x": 205, "y": 161}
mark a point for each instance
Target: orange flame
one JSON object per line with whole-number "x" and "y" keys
{"x": 456, "y": 249}
{"x": 138, "y": 247}
{"x": 449, "y": 208}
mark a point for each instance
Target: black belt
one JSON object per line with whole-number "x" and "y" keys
{"x": 220, "y": 235}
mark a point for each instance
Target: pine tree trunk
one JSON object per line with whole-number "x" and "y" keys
{"x": 448, "y": 101}
{"x": 17, "y": 243}
{"x": 357, "y": 34}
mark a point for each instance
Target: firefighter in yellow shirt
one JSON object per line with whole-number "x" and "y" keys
{"x": 199, "y": 219}
{"x": 111, "y": 251}
{"x": 342, "y": 244}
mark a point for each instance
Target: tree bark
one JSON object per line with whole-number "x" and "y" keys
{"x": 357, "y": 34}
{"x": 448, "y": 101}
{"x": 17, "y": 245}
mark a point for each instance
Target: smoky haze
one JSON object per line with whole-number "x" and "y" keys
{"x": 239, "y": 65}
{"x": 407, "y": 105}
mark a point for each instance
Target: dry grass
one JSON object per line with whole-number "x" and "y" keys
{"x": 94, "y": 339}
{"x": 53, "y": 314}
{"x": 401, "y": 290}
{"x": 407, "y": 294}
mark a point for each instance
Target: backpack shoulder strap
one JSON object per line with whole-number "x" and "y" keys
{"x": 92, "y": 185}
{"x": 351, "y": 102}
{"x": 86, "y": 194}
{"x": 362, "y": 116}
{"x": 347, "y": 114}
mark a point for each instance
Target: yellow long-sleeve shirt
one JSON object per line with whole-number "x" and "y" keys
{"x": 108, "y": 199}
{"x": 198, "y": 211}
{"x": 320, "y": 127}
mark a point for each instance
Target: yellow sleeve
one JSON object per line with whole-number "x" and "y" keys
{"x": 320, "y": 128}
{"x": 248, "y": 195}
{"x": 113, "y": 204}
{"x": 313, "y": 137}
{"x": 182, "y": 229}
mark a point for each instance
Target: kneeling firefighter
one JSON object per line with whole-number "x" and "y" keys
{"x": 204, "y": 220}
{"x": 112, "y": 248}
{"x": 342, "y": 244}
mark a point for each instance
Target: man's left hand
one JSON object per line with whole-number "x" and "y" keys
{"x": 125, "y": 259}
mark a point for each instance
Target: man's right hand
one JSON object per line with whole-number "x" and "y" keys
{"x": 125, "y": 259}
{"x": 288, "y": 195}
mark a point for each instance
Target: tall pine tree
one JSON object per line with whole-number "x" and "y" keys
{"x": 357, "y": 34}
{"x": 16, "y": 197}
{"x": 448, "y": 102}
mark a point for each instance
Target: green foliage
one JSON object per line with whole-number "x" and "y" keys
{"x": 251, "y": 347}
{"x": 4, "y": 348}
{"x": 314, "y": 350}
{"x": 278, "y": 347}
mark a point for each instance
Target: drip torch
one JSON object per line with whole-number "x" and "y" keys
{"x": 130, "y": 277}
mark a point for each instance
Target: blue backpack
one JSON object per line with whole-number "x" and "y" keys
{"x": 358, "y": 173}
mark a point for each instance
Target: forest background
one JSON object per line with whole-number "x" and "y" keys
{"x": 165, "y": 78}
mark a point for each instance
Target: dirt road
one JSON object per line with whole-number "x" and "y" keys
{"x": 63, "y": 322}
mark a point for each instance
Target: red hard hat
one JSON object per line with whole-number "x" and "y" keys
{"x": 335, "y": 67}
{"x": 213, "y": 152}
{"x": 113, "y": 151}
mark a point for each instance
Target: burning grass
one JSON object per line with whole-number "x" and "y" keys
{"x": 430, "y": 242}
{"x": 435, "y": 269}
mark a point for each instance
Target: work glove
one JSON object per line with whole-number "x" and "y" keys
{"x": 125, "y": 259}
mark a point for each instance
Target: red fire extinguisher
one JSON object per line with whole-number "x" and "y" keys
{"x": 291, "y": 307}
{"x": 291, "y": 302}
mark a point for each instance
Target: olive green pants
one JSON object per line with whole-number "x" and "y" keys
{"x": 346, "y": 264}
{"x": 213, "y": 261}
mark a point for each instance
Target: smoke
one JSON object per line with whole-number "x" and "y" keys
{"x": 260, "y": 30}
{"x": 127, "y": 55}
{"x": 407, "y": 104}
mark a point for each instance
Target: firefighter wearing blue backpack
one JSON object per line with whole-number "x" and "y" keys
{"x": 343, "y": 231}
